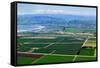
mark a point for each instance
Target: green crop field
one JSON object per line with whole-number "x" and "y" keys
{"x": 61, "y": 45}
{"x": 87, "y": 51}
{"x": 79, "y": 30}
{"x": 85, "y": 58}
{"x": 53, "y": 59}
{"x": 61, "y": 48}
{"x": 26, "y": 47}
{"x": 25, "y": 60}
{"x": 62, "y": 58}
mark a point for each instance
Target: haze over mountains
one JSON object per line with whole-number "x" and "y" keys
{"x": 54, "y": 22}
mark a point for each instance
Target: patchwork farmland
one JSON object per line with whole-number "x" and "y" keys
{"x": 64, "y": 47}
{"x": 56, "y": 34}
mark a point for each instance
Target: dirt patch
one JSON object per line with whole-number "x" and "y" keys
{"x": 29, "y": 55}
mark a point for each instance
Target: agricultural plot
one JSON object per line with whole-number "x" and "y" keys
{"x": 85, "y": 58}
{"x": 89, "y": 48}
{"x": 76, "y": 30}
{"x": 91, "y": 42}
{"x": 53, "y": 59}
{"x": 87, "y": 51}
{"x": 61, "y": 45}
{"x": 25, "y": 60}
{"x": 62, "y": 48}
{"x": 27, "y": 47}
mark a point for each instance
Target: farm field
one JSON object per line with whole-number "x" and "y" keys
{"x": 63, "y": 48}
{"x": 54, "y": 58}
{"x": 25, "y": 60}
{"x": 79, "y": 30}
{"x": 91, "y": 42}
{"x": 55, "y": 34}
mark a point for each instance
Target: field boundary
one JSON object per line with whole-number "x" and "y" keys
{"x": 54, "y": 54}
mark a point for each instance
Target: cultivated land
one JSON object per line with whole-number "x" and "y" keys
{"x": 55, "y": 48}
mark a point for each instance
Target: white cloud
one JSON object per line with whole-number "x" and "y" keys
{"x": 48, "y": 11}
{"x": 60, "y": 12}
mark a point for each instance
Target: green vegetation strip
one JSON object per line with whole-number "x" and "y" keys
{"x": 53, "y": 59}
{"x": 60, "y": 49}
{"x": 79, "y": 30}
{"x": 27, "y": 47}
{"x": 87, "y": 51}
{"x": 84, "y": 58}
{"x": 25, "y": 60}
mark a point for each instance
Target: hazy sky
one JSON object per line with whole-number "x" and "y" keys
{"x": 49, "y": 9}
